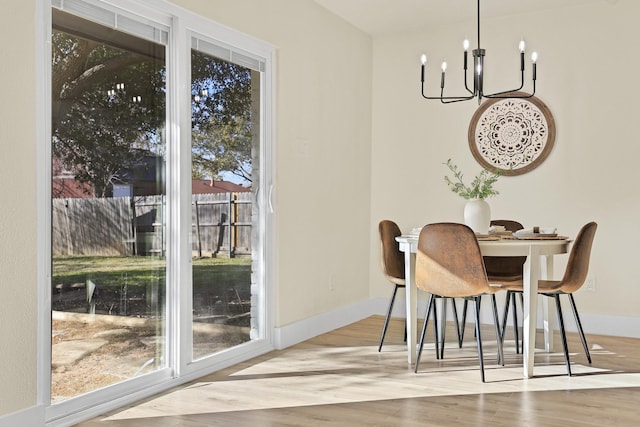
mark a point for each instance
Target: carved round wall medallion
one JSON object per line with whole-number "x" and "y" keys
{"x": 512, "y": 136}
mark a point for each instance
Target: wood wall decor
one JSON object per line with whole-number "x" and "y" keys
{"x": 511, "y": 136}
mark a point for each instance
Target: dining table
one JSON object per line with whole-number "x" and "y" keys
{"x": 539, "y": 265}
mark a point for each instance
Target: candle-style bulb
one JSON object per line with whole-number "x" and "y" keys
{"x": 521, "y": 46}
{"x": 423, "y": 59}
{"x": 465, "y": 45}
{"x": 534, "y": 57}
{"x": 444, "y": 66}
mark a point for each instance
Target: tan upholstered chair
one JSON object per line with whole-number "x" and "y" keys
{"x": 392, "y": 261}
{"x": 449, "y": 264}
{"x": 574, "y": 277}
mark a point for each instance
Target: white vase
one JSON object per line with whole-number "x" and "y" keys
{"x": 477, "y": 215}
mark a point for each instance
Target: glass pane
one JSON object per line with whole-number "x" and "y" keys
{"x": 224, "y": 150}
{"x": 108, "y": 205}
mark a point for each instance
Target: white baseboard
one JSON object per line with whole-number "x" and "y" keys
{"x": 597, "y": 324}
{"x": 32, "y": 417}
{"x": 305, "y": 329}
{"x": 600, "y": 324}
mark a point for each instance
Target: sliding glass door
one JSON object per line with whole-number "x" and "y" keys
{"x": 150, "y": 281}
{"x": 224, "y": 166}
{"x": 108, "y": 253}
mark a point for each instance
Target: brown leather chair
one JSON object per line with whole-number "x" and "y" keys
{"x": 449, "y": 264}
{"x": 392, "y": 261}
{"x": 574, "y": 277}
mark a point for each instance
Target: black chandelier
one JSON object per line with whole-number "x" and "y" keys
{"x": 478, "y": 67}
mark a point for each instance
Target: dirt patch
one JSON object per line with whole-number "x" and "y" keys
{"x": 129, "y": 347}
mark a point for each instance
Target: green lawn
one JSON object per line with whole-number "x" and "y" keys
{"x": 211, "y": 276}
{"x": 113, "y": 270}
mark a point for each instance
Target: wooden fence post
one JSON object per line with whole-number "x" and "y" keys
{"x": 199, "y": 240}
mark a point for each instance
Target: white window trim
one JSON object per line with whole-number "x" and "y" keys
{"x": 181, "y": 24}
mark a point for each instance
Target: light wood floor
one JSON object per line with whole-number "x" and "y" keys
{"x": 340, "y": 379}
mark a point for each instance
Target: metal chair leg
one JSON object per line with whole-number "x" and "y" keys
{"x": 505, "y": 314}
{"x": 405, "y": 330}
{"x": 496, "y": 322}
{"x": 516, "y": 334}
{"x": 562, "y": 332}
{"x": 582, "y": 337}
{"x": 436, "y": 332}
{"x": 478, "y": 337}
{"x": 464, "y": 322}
{"x": 455, "y": 317}
{"x": 443, "y": 327}
{"x": 386, "y": 320}
{"x": 424, "y": 330}
{"x": 511, "y": 299}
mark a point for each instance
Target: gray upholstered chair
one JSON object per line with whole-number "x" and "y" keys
{"x": 574, "y": 277}
{"x": 449, "y": 264}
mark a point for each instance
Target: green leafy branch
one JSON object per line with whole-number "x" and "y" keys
{"x": 481, "y": 187}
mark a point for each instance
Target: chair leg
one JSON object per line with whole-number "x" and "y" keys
{"x": 505, "y": 314}
{"x": 516, "y": 334}
{"x": 478, "y": 337}
{"x": 582, "y": 337}
{"x": 386, "y": 320}
{"x": 496, "y": 322}
{"x": 563, "y": 333}
{"x": 511, "y": 299}
{"x": 443, "y": 326}
{"x": 436, "y": 332}
{"x": 455, "y": 318}
{"x": 424, "y": 330}
{"x": 464, "y": 321}
{"x": 405, "y": 330}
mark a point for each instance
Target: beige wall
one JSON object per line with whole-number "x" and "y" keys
{"x": 17, "y": 211}
{"x": 586, "y": 76}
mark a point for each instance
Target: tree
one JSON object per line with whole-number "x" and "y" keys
{"x": 99, "y": 124}
{"x": 108, "y": 112}
{"x": 221, "y": 118}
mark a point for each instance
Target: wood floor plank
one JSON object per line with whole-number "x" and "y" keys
{"x": 340, "y": 379}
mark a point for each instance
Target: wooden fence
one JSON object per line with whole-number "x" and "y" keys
{"x": 136, "y": 226}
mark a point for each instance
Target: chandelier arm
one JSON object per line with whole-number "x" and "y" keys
{"x": 497, "y": 94}
{"x": 466, "y": 86}
{"x": 509, "y": 94}
{"x": 451, "y": 101}
{"x": 505, "y": 95}
{"x": 448, "y": 98}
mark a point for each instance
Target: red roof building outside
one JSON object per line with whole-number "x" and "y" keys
{"x": 208, "y": 186}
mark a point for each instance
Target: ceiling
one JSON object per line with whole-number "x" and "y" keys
{"x": 380, "y": 17}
